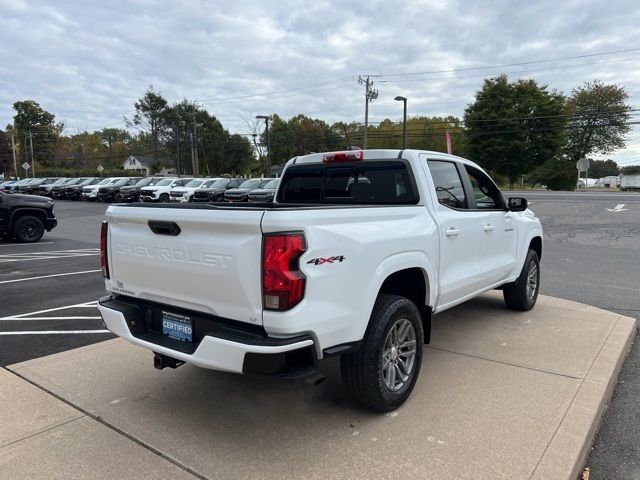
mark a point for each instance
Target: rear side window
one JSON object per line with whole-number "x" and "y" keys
{"x": 448, "y": 183}
{"x": 371, "y": 183}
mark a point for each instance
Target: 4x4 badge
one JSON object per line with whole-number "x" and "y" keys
{"x": 320, "y": 261}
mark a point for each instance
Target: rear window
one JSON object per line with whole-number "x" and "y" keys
{"x": 372, "y": 183}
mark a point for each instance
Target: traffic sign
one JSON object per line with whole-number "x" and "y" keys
{"x": 582, "y": 165}
{"x": 100, "y": 168}
{"x": 26, "y": 166}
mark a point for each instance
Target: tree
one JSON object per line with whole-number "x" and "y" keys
{"x": 597, "y": 122}
{"x": 119, "y": 140}
{"x": 218, "y": 151}
{"x": 514, "y": 127}
{"x": 603, "y": 168}
{"x": 6, "y": 157}
{"x": 32, "y": 123}
{"x": 155, "y": 166}
{"x": 151, "y": 114}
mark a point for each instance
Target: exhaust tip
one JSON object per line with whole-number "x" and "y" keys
{"x": 315, "y": 379}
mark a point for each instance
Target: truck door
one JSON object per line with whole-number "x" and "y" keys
{"x": 459, "y": 267}
{"x": 498, "y": 236}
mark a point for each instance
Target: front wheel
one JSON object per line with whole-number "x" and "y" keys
{"x": 383, "y": 372}
{"x": 164, "y": 198}
{"x": 523, "y": 293}
{"x": 28, "y": 229}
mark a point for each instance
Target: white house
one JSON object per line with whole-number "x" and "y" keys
{"x": 142, "y": 164}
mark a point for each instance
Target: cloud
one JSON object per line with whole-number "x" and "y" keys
{"x": 87, "y": 62}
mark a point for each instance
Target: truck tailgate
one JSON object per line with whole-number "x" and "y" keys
{"x": 213, "y": 265}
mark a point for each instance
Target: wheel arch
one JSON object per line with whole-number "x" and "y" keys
{"x": 411, "y": 275}
{"x": 536, "y": 244}
{"x": 21, "y": 212}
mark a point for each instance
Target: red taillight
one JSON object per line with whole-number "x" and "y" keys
{"x": 347, "y": 156}
{"x": 104, "y": 261}
{"x": 282, "y": 281}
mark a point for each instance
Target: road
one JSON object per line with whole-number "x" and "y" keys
{"x": 591, "y": 255}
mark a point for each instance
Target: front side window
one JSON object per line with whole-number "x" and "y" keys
{"x": 251, "y": 184}
{"x": 194, "y": 183}
{"x": 448, "y": 184}
{"x": 181, "y": 183}
{"x": 485, "y": 192}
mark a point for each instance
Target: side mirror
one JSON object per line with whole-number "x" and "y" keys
{"x": 517, "y": 204}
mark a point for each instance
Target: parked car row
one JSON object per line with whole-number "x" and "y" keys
{"x": 147, "y": 189}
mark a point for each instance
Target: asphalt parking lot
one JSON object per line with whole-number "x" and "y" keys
{"x": 49, "y": 289}
{"x": 48, "y": 293}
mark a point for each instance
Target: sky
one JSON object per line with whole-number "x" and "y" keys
{"x": 88, "y": 62}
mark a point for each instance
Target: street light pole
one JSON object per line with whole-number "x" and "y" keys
{"x": 266, "y": 122}
{"x": 404, "y": 120}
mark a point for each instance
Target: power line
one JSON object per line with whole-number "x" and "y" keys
{"x": 487, "y": 67}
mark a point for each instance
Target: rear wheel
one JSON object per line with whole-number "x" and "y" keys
{"x": 523, "y": 293}
{"x": 383, "y": 372}
{"x": 28, "y": 229}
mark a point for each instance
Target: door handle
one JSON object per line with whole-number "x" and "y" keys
{"x": 452, "y": 232}
{"x": 488, "y": 228}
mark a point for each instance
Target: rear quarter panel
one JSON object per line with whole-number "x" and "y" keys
{"x": 373, "y": 242}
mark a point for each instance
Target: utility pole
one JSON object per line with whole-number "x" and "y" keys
{"x": 55, "y": 156}
{"x": 33, "y": 164}
{"x": 13, "y": 149}
{"x": 178, "y": 149}
{"x": 110, "y": 153}
{"x": 194, "y": 141}
{"x": 370, "y": 94}
{"x": 193, "y": 158}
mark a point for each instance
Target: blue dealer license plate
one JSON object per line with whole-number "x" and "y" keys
{"x": 177, "y": 326}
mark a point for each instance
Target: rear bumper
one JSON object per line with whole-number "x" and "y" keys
{"x": 226, "y": 349}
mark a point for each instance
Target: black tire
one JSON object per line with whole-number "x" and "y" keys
{"x": 28, "y": 229}
{"x": 522, "y": 294}
{"x": 164, "y": 197}
{"x": 363, "y": 373}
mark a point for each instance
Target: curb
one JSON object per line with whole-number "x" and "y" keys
{"x": 569, "y": 447}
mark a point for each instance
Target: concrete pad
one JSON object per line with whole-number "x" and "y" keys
{"x": 480, "y": 410}
{"x": 83, "y": 449}
{"x": 558, "y": 340}
{"x": 27, "y": 410}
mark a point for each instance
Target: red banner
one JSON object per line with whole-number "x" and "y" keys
{"x": 447, "y": 135}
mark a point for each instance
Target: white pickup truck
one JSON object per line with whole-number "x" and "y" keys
{"x": 355, "y": 254}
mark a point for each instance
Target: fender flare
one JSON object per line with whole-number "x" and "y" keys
{"x": 402, "y": 261}
{"x": 40, "y": 213}
{"x": 534, "y": 232}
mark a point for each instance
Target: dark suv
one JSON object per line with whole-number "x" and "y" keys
{"x": 109, "y": 192}
{"x": 33, "y": 186}
{"x": 131, "y": 193}
{"x": 73, "y": 192}
{"x": 214, "y": 191}
{"x": 25, "y": 217}
{"x": 241, "y": 194}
